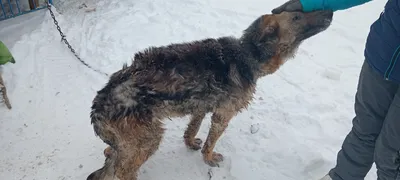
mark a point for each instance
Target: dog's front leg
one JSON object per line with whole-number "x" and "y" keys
{"x": 219, "y": 122}
{"x": 193, "y": 128}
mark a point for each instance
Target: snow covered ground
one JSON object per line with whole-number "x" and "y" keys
{"x": 303, "y": 111}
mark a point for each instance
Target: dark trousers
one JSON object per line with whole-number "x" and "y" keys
{"x": 375, "y": 136}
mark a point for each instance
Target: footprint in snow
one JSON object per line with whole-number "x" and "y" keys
{"x": 332, "y": 74}
{"x": 316, "y": 166}
{"x": 254, "y": 128}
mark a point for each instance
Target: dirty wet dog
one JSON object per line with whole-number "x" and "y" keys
{"x": 215, "y": 75}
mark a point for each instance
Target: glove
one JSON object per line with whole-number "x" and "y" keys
{"x": 291, "y": 5}
{"x": 5, "y": 55}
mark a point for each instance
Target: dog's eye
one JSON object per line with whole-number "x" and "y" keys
{"x": 296, "y": 18}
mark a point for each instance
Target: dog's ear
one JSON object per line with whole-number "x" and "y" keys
{"x": 269, "y": 28}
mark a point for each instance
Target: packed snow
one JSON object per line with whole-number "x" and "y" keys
{"x": 292, "y": 130}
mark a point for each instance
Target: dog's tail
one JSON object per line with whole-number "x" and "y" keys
{"x": 112, "y": 105}
{"x": 113, "y": 99}
{"x": 99, "y": 117}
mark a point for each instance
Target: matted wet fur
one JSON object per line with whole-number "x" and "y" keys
{"x": 215, "y": 76}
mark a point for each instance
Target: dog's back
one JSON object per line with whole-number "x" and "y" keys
{"x": 178, "y": 78}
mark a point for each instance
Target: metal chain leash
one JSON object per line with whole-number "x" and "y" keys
{"x": 63, "y": 38}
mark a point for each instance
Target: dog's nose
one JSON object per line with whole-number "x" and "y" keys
{"x": 327, "y": 13}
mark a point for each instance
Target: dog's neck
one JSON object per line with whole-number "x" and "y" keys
{"x": 263, "y": 54}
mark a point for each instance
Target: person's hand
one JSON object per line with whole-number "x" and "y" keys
{"x": 291, "y": 5}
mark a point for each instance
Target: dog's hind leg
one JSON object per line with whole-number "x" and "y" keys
{"x": 192, "y": 130}
{"x": 136, "y": 149}
{"x": 219, "y": 121}
{"x": 132, "y": 145}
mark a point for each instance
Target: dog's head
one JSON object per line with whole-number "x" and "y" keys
{"x": 283, "y": 33}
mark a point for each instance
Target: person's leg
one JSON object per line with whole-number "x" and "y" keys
{"x": 373, "y": 98}
{"x": 387, "y": 150}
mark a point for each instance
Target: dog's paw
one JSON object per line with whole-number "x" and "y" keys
{"x": 108, "y": 152}
{"x": 214, "y": 160}
{"x": 194, "y": 145}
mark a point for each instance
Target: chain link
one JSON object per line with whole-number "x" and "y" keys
{"x": 63, "y": 38}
